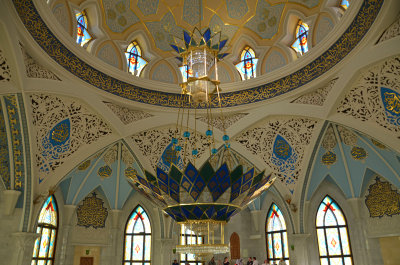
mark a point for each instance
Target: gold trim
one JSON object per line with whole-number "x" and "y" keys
{"x": 202, "y": 203}
{"x": 209, "y": 221}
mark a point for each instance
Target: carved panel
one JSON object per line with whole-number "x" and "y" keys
{"x": 5, "y": 72}
{"x": 92, "y": 213}
{"x": 375, "y": 97}
{"x": 382, "y": 200}
{"x": 4, "y": 153}
{"x": 127, "y": 115}
{"x": 60, "y": 12}
{"x": 34, "y": 70}
{"x": 108, "y": 54}
{"x": 227, "y": 121}
{"x": 391, "y": 32}
{"x": 281, "y": 143}
{"x": 316, "y": 97}
{"x": 63, "y": 125}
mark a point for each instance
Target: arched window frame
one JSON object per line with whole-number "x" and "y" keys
{"x": 134, "y": 59}
{"x": 146, "y": 235}
{"x": 43, "y": 253}
{"x": 247, "y": 66}
{"x": 82, "y": 34}
{"x": 271, "y": 235}
{"x": 344, "y": 4}
{"x": 187, "y": 236}
{"x": 342, "y": 232}
{"x": 300, "y": 44}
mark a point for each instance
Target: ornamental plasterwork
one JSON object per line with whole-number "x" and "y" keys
{"x": 34, "y": 70}
{"x": 316, "y": 97}
{"x": 281, "y": 143}
{"x": 153, "y": 143}
{"x": 228, "y": 120}
{"x": 5, "y": 72}
{"x": 375, "y": 97}
{"x": 127, "y": 115}
{"x": 382, "y": 199}
{"x": 350, "y": 138}
{"x": 92, "y": 213}
{"x": 391, "y": 32}
{"x": 329, "y": 142}
{"x": 63, "y": 125}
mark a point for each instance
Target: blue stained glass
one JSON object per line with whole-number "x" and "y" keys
{"x": 277, "y": 243}
{"x": 83, "y": 35}
{"x": 134, "y": 58}
{"x": 345, "y": 4}
{"x": 248, "y": 64}
{"x": 300, "y": 45}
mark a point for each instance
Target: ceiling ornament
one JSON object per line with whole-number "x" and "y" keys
{"x": 382, "y": 200}
{"x": 118, "y": 15}
{"x": 5, "y": 72}
{"x": 92, "y": 212}
{"x": 316, "y": 97}
{"x": 391, "y": 32}
{"x": 127, "y": 115}
{"x": 329, "y": 143}
{"x": 350, "y": 138}
{"x": 63, "y": 125}
{"x": 35, "y": 70}
{"x": 228, "y": 120}
{"x": 375, "y": 97}
{"x": 68, "y": 60}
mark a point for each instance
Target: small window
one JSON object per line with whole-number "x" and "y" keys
{"x": 344, "y": 4}
{"x": 248, "y": 63}
{"x": 333, "y": 238}
{"x": 301, "y": 43}
{"x": 276, "y": 234}
{"x": 188, "y": 237}
{"x": 45, "y": 245}
{"x": 83, "y": 35}
{"x": 137, "y": 247}
{"x": 134, "y": 58}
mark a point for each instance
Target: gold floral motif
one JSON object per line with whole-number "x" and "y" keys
{"x": 378, "y": 144}
{"x": 84, "y": 165}
{"x": 382, "y": 199}
{"x": 92, "y": 213}
{"x": 329, "y": 158}
{"x": 358, "y": 153}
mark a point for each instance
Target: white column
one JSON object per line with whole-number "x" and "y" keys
{"x": 115, "y": 243}
{"x": 62, "y": 244}
{"x": 23, "y": 247}
{"x": 10, "y": 200}
{"x": 298, "y": 249}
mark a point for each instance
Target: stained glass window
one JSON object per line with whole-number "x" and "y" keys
{"x": 137, "y": 246}
{"x": 134, "y": 58}
{"x": 300, "y": 45}
{"x": 276, "y": 235}
{"x": 83, "y": 35}
{"x": 333, "y": 238}
{"x": 44, "y": 248}
{"x": 188, "y": 237}
{"x": 344, "y": 4}
{"x": 248, "y": 63}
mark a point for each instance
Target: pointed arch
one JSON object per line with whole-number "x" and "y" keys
{"x": 276, "y": 235}
{"x": 300, "y": 44}
{"x": 332, "y": 233}
{"x": 137, "y": 238}
{"x": 248, "y": 63}
{"x": 47, "y": 226}
{"x": 235, "y": 246}
{"x": 134, "y": 58}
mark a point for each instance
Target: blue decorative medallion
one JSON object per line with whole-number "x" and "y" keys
{"x": 105, "y": 172}
{"x": 329, "y": 158}
{"x": 358, "y": 153}
{"x": 282, "y": 148}
{"x": 60, "y": 133}
{"x": 170, "y": 157}
{"x": 391, "y": 102}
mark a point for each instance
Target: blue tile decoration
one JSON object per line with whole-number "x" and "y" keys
{"x": 148, "y": 7}
{"x": 104, "y": 171}
{"x": 282, "y": 148}
{"x": 360, "y": 25}
{"x": 191, "y": 172}
{"x": 391, "y": 103}
{"x": 204, "y": 211}
{"x": 285, "y": 158}
{"x": 119, "y": 15}
{"x": 4, "y": 152}
{"x": 237, "y": 8}
{"x": 358, "y": 153}
{"x": 266, "y": 21}
{"x": 170, "y": 157}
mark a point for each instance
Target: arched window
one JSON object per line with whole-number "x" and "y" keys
{"x": 300, "y": 45}
{"x": 248, "y": 63}
{"x": 137, "y": 246}
{"x": 134, "y": 58}
{"x": 45, "y": 245}
{"x": 276, "y": 235}
{"x": 82, "y": 36}
{"x": 188, "y": 237}
{"x": 333, "y": 238}
{"x": 344, "y": 4}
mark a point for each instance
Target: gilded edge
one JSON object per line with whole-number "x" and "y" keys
{"x": 4, "y": 152}
{"x": 56, "y": 50}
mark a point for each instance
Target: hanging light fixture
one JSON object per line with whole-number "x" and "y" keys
{"x": 201, "y": 200}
